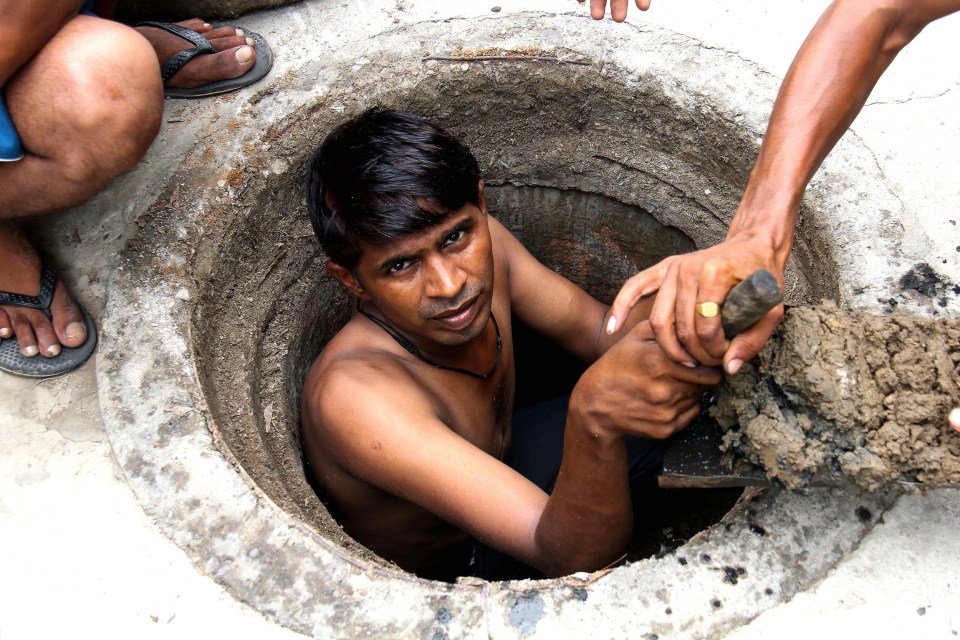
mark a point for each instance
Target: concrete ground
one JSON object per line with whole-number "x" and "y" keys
{"x": 79, "y": 557}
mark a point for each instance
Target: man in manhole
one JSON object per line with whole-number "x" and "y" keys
{"x": 407, "y": 414}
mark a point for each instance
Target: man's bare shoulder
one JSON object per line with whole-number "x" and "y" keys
{"x": 355, "y": 379}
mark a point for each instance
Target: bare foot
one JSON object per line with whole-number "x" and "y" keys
{"x": 235, "y": 55}
{"x": 35, "y": 333}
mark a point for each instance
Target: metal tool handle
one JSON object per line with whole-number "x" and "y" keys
{"x": 749, "y": 301}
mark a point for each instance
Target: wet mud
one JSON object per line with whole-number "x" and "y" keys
{"x": 837, "y": 398}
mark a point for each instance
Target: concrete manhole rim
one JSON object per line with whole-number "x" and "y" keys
{"x": 163, "y": 438}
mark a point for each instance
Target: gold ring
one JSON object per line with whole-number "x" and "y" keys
{"x": 708, "y": 309}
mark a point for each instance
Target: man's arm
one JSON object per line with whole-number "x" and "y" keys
{"x": 828, "y": 83}
{"x": 554, "y": 306}
{"x": 375, "y": 420}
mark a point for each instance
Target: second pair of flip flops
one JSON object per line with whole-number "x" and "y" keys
{"x": 201, "y": 46}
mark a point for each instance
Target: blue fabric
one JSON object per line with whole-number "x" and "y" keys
{"x": 10, "y": 147}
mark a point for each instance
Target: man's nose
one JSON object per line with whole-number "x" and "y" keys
{"x": 444, "y": 278}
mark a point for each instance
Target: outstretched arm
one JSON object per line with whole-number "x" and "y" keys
{"x": 828, "y": 83}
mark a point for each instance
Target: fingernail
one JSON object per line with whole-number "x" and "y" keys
{"x": 4, "y": 332}
{"x": 75, "y": 330}
{"x": 955, "y": 419}
{"x": 31, "y": 351}
{"x": 611, "y": 325}
{"x": 244, "y": 54}
{"x": 239, "y": 32}
{"x": 690, "y": 365}
{"x": 733, "y": 366}
{"x": 250, "y": 41}
{"x": 206, "y": 24}
{"x": 53, "y": 350}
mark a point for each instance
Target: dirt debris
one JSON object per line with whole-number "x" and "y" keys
{"x": 843, "y": 398}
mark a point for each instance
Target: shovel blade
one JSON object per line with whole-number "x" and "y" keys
{"x": 692, "y": 459}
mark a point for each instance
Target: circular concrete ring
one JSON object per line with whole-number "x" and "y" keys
{"x": 645, "y": 117}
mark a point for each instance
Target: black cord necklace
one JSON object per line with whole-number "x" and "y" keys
{"x": 412, "y": 348}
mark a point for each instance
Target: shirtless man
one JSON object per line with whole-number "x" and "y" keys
{"x": 81, "y": 99}
{"x": 407, "y": 412}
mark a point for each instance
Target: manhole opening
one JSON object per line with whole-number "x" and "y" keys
{"x": 598, "y": 183}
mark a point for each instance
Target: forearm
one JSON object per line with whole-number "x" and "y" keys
{"x": 827, "y": 85}
{"x": 26, "y": 27}
{"x": 588, "y": 520}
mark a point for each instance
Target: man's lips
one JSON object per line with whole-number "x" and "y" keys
{"x": 461, "y": 316}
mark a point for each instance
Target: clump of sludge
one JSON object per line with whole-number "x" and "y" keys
{"x": 838, "y": 398}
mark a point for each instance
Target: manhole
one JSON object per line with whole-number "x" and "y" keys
{"x": 601, "y": 169}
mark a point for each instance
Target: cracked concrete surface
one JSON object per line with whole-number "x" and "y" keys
{"x": 74, "y": 541}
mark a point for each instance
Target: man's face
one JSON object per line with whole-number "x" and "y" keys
{"x": 435, "y": 286}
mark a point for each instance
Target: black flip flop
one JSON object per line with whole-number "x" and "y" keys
{"x": 202, "y": 46}
{"x": 69, "y": 358}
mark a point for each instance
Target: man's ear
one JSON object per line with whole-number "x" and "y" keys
{"x": 481, "y": 198}
{"x": 347, "y": 278}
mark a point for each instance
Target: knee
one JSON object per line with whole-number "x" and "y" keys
{"x": 116, "y": 96}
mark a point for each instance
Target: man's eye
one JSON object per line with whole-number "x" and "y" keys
{"x": 399, "y": 265}
{"x": 454, "y": 237}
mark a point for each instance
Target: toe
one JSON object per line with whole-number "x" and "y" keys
{"x": 25, "y": 336}
{"x": 223, "y": 32}
{"x": 6, "y": 327}
{"x": 69, "y": 324}
{"x": 196, "y": 24}
{"x": 47, "y": 343}
{"x": 229, "y": 42}
{"x": 224, "y": 65}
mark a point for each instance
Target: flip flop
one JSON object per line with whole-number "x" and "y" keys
{"x": 69, "y": 358}
{"x": 202, "y": 46}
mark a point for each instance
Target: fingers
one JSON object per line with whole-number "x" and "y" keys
{"x": 751, "y": 342}
{"x": 618, "y": 9}
{"x": 597, "y": 9}
{"x": 639, "y": 286}
{"x": 643, "y": 5}
{"x": 954, "y": 419}
{"x": 663, "y": 320}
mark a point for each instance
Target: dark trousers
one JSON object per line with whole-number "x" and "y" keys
{"x": 536, "y": 448}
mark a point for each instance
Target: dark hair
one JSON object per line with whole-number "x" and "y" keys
{"x": 383, "y": 175}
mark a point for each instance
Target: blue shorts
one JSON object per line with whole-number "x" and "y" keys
{"x": 10, "y": 146}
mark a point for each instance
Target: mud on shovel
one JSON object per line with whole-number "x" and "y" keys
{"x": 692, "y": 458}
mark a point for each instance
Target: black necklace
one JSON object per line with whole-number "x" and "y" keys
{"x": 412, "y": 348}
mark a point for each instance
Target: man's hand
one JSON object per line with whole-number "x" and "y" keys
{"x": 683, "y": 282}
{"x": 635, "y": 389}
{"x": 618, "y": 8}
